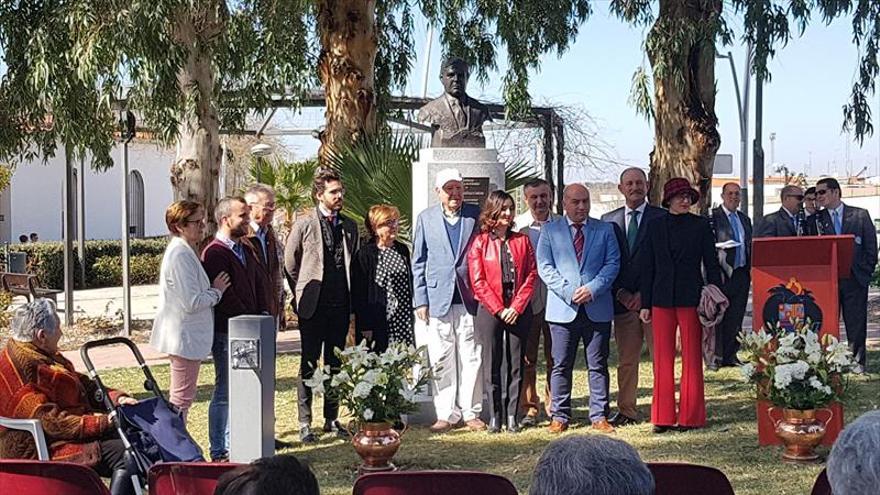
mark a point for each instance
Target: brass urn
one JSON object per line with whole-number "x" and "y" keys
{"x": 376, "y": 443}
{"x": 800, "y": 431}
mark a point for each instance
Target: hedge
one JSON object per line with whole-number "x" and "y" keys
{"x": 102, "y": 259}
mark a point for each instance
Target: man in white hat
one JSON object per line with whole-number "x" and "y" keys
{"x": 444, "y": 301}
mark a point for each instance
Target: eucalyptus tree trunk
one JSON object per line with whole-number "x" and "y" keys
{"x": 681, "y": 47}
{"x": 346, "y": 66}
{"x": 195, "y": 173}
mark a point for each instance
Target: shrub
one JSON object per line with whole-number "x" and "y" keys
{"x": 143, "y": 270}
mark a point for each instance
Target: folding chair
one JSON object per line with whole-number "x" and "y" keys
{"x": 186, "y": 478}
{"x": 57, "y": 478}
{"x": 35, "y": 428}
{"x": 672, "y": 478}
{"x": 432, "y": 483}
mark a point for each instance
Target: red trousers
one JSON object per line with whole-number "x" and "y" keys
{"x": 692, "y": 405}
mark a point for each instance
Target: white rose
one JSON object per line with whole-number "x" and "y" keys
{"x": 362, "y": 390}
{"x": 368, "y": 414}
{"x": 747, "y": 370}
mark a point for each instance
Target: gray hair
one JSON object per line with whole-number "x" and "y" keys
{"x": 854, "y": 462}
{"x": 788, "y": 190}
{"x": 594, "y": 464}
{"x": 633, "y": 169}
{"x": 224, "y": 207}
{"x": 255, "y": 190}
{"x": 34, "y": 316}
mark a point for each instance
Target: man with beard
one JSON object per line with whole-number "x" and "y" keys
{"x": 631, "y": 224}
{"x": 226, "y": 253}
{"x": 317, "y": 258}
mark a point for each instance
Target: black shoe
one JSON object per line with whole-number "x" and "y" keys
{"x": 619, "y": 419}
{"x": 732, "y": 363}
{"x": 307, "y": 435}
{"x": 333, "y": 426}
{"x": 661, "y": 429}
{"x": 281, "y": 444}
{"x": 494, "y": 425}
{"x": 684, "y": 428}
{"x": 512, "y": 425}
{"x": 527, "y": 421}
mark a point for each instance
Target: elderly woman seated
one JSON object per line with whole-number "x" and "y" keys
{"x": 37, "y": 382}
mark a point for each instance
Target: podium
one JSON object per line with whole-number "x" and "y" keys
{"x": 797, "y": 277}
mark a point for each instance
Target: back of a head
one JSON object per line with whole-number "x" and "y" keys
{"x": 276, "y": 475}
{"x": 591, "y": 464}
{"x": 854, "y": 462}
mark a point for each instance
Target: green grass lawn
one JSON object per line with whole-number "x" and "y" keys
{"x": 729, "y": 442}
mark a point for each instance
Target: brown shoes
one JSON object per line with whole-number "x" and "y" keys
{"x": 475, "y": 424}
{"x": 557, "y": 426}
{"x": 603, "y": 426}
{"x": 441, "y": 426}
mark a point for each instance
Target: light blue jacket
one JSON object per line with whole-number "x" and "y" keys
{"x": 561, "y": 272}
{"x": 436, "y": 270}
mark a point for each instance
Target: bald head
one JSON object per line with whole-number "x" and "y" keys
{"x": 576, "y": 202}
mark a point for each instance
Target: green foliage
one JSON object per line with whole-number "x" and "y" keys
{"x": 292, "y": 181}
{"x": 102, "y": 259}
{"x": 640, "y": 95}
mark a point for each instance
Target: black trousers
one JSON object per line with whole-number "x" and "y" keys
{"x": 508, "y": 346}
{"x": 112, "y": 456}
{"x": 853, "y": 300}
{"x": 321, "y": 334}
{"x": 737, "y": 291}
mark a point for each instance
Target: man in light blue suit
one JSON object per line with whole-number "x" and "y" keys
{"x": 578, "y": 260}
{"x": 445, "y": 302}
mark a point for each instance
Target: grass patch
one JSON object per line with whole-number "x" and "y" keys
{"x": 729, "y": 442}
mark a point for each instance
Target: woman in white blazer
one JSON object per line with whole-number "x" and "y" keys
{"x": 184, "y": 324}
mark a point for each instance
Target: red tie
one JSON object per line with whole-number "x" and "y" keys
{"x": 578, "y": 241}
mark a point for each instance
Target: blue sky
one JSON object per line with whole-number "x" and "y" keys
{"x": 811, "y": 80}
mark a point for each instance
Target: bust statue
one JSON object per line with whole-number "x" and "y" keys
{"x": 457, "y": 119}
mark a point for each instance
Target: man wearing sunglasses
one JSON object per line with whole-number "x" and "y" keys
{"x": 786, "y": 221}
{"x": 837, "y": 218}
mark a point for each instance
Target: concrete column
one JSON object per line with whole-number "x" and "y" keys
{"x": 251, "y": 387}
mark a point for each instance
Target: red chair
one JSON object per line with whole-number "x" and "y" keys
{"x": 433, "y": 483}
{"x": 186, "y": 478}
{"x": 821, "y": 486}
{"x": 672, "y": 478}
{"x": 56, "y": 478}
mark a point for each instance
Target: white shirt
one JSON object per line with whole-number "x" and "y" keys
{"x": 626, "y": 215}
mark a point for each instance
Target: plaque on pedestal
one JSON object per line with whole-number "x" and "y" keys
{"x": 480, "y": 168}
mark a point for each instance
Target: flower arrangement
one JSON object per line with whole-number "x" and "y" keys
{"x": 795, "y": 369}
{"x": 375, "y": 387}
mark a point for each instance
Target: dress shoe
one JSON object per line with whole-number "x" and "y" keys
{"x": 603, "y": 426}
{"x": 281, "y": 444}
{"x": 661, "y": 429}
{"x": 512, "y": 425}
{"x": 494, "y": 425}
{"x": 528, "y": 421}
{"x": 712, "y": 367}
{"x": 733, "y": 363}
{"x": 307, "y": 435}
{"x": 557, "y": 426}
{"x": 685, "y": 428}
{"x": 440, "y": 426}
{"x": 475, "y": 424}
{"x": 333, "y": 426}
{"x": 224, "y": 457}
{"x": 859, "y": 370}
{"x": 619, "y": 419}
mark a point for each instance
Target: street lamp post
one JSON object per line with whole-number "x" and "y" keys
{"x": 742, "y": 107}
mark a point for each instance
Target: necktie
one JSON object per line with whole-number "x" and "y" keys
{"x": 578, "y": 241}
{"x": 838, "y": 227}
{"x": 794, "y": 224}
{"x": 332, "y": 219}
{"x": 734, "y": 227}
{"x": 239, "y": 252}
{"x": 632, "y": 231}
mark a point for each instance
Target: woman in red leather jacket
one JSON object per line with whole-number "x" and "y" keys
{"x": 502, "y": 270}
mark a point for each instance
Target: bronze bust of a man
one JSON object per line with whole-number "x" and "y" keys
{"x": 457, "y": 119}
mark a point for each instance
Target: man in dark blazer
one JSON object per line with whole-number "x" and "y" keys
{"x": 226, "y": 253}
{"x": 789, "y": 220}
{"x": 630, "y": 224}
{"x": 732, "y": 224}
{"x": 838, "y": 218}
{"x": 317, "y": 259}
{"x": 263, "y": 243}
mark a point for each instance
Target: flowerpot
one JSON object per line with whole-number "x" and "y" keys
{"x": 376, "y": 443}
{"x": 800, "y": 431}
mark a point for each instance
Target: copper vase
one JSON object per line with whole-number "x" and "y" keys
{"x": 800, "y": 431}
{"x": 376, "y": 443}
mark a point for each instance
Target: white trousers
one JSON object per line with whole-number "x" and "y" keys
{"x": 456, "y": 361}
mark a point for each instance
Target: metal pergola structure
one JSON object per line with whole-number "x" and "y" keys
{"x": 545, "y": 118}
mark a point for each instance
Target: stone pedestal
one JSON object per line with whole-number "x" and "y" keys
{"x": 480, "y": 168}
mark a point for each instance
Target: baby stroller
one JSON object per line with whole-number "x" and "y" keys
{"x": 151, "y": 430}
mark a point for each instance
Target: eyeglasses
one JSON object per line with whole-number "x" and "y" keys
{"x": 198, "y": 221}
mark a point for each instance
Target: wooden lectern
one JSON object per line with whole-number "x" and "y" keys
{"x": 797, "y": 277}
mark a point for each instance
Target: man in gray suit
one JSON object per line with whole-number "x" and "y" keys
{"x": 316, "y": 260}
{"x": 838, "y": 218}
{"x": 539, "y": 198}
{"x": 789, "y": 220}
{"x": 630, "y": 332}
{"x": 444, "y": 301}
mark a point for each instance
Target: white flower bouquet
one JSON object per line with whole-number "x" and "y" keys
{"x": 375, "y": 387}
{"x": 795, "y": 369}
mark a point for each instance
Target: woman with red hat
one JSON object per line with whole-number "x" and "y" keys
{"x": 678, "y": 246}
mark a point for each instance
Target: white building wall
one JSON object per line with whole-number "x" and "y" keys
{"x": 37, "y": 195}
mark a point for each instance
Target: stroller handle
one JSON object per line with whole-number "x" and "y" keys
{"x": 84, "y": 351}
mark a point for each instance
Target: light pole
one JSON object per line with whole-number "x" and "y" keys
{"x": 742, "y": 107}
{"x": 772, "y": 149}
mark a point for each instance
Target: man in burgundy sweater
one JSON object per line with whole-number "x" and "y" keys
{"x": 243, "y": 297}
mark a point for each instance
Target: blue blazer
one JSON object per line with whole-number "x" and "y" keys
{"x": 436, "y": 271}
{"x": 560, "y": 270}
